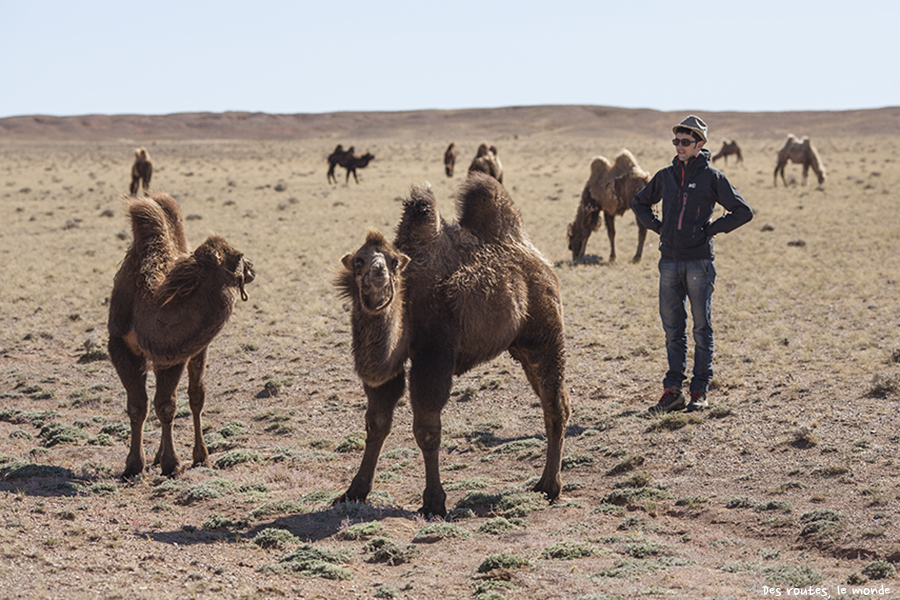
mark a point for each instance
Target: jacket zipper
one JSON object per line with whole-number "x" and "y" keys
{"x": 683, "y": 197}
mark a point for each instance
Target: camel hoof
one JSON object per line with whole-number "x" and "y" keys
{"x": 346, "y": 498}
{"x": 131, "y": 474}
{"x": 433, "y": 512}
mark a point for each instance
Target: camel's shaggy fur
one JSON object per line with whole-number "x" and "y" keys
{"x": 450, "y": 159}
{"x": 610, "y": 189}
{"x": 166, "y": 307}
{"x": 802, "y": 152}
{"x": 447, "y": 297}
{"x": 729, "y": 148}
{"x": 487, "y": 161}
{"x": 141, "y": 170}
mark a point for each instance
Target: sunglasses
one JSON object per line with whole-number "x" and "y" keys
{"x": 683, "y": 142}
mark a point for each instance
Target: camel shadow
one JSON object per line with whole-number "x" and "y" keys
{"x": 308, "y": 527}
{"x": 41, "y": 480}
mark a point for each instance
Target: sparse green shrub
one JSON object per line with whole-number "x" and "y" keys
{"x": 54, "y": 433}
{"x": 831, "y": 470}
{"x": 779, "y": 505}
{"x": 212, "y": 488}
{"x": 519, "y": 504}
{"x": 740, "y": 502}
{"x": 103, "y": 488}
{"x": 822, "y": 525}
{"x": 610, "y": 509}
{"x": 884, "y": 385}
{"x": 435, "y": 532}
{"x": 673, "y": 421}
{"x": 638, "y": 479}
{"x": 232, "y": 428}
{"x": 577, "y": 460}
{"x": 625, "y": 497}
{"x": 569, "y": 550}
{"x": 384, "y": 550}
{"x": 119, "y": 430}
{"x": 355, "y": 442}
{"x": 879, "y": 569}
{"x": 691, "y": 501}
{"x": 239, "y": 456}
{"x": 792, "y": 575}
{"x": 629, "y": 463}
{"x": 501, "y": 561}
{"x": 272, "y": 537}
{"x": 362, "y": 530}
{"x": 21, "y": 434}
{"x": 499, "y": 525}
{"x": 642, "y": 549}
{"x": 217, "y": 521}
{"x": 102, "y": 439}
{"x": 476, "y": 483}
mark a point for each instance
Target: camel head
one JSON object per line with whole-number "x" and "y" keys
{"x": 578, "y": 238}
{"x": 217, "y": 254}
{"x": 375, "y": 271}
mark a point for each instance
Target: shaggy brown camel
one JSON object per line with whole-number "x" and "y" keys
{"x": 448, "y": 297}
{"x": 450, "y": 159}
{"x": 487, "y": 161}
{"x": 609, "y": 189}
{"x": 729, "y": 148}
{"x": 799, "y": 151}
{"x": 141, "y": 170}
{"x": 338, "y": 157}
{"x": 166, "y": 307}
{"x": 352, "y": 163}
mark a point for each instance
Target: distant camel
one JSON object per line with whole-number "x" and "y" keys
{"x": 450, "y": 159}
{"x": 353, "y": 162}
{"x": 165, "y": 308}
{"x": 799, "y": 151}
{"x": 729, "y": 148}
{"x": 447, "y": 297}
{"x": 487, "y": 161}
{"x": 609, "y": 189}
{"x": 142, "y": 169}
{"x": 338, "y": 157}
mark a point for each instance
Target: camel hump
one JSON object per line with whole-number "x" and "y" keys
{"x": 158, "y": 236}
{"x": 486, "y": 209}
{"x": 626, "y": 165}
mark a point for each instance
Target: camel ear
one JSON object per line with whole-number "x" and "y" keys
{"x": 347, "y": 261}
{"x": 404, "y": 260}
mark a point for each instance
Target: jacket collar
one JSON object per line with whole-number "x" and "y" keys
{"x": 701, "y": 161}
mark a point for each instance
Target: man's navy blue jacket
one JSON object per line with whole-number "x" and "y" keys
{"x": 689, "y": 193}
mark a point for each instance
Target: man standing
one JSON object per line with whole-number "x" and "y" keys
{"x": 689, "y": 189}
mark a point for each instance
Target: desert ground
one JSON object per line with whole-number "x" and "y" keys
{"x": 787, "y": 485}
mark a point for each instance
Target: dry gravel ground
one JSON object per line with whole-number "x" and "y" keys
{"x": 788, "y": 482}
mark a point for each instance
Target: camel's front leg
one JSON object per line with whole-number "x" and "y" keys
{"x": 164, "y": 402}
{"x": 197, "y": 398}
{"x": 429, "y": 390}
{"x": 131, "y": 370}
{"x": 379, "y": 416}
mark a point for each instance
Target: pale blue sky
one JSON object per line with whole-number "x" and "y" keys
{"x": 162, "y": 56}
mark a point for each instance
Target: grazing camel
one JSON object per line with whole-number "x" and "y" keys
{"x": 338, "y": 157}
{"x": 141, "y": 170}
{"x": 729, "y": 148}
{"x": 799, "y": 151}
{"x": 352, "y": 163}
{"x": 450, "y": 159}
{"x": 487, "y": 161}
{"x": 609, "y": 189}
{"x": 166, "y": 307}
{"x": 447, "y": 297}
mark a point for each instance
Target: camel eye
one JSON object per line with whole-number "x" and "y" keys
{"x": 394, "y": 264}
{"x": 358, "y": 262}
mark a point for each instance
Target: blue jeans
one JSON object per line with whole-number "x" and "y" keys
{"x": 678, "y": 282}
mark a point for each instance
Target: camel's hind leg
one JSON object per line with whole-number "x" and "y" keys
{"x": 197, "y": 398}
{"x": 164, "y": 402}
{"x": 540, "y": 351}
{"x": 379, "y": 417}
{"x": 611, "y": 232}
{"x": 132, "y": 372}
